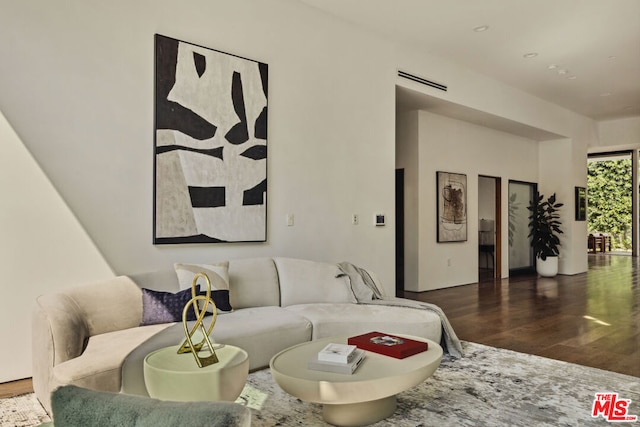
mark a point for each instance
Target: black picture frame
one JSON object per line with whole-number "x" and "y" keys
{"x": 451, "y": 202}
{"x": 210, "y": 145}
{"x": 581, "y": 203}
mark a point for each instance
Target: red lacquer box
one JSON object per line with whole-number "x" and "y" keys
{"x": 389, "y": 345}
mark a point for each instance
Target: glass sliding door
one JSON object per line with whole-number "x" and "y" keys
{"x": 521, "y": 257}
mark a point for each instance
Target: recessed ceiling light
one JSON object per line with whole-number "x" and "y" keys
{"x": 552, "y": 67}
{"x": 481, "y": 28}
{"x": 562, "y": 71}
{"x": 572, "y": 77}
{"x": 605, "y": 94}
{"x": 530, "y": 55}
{"x": 612, "y": 57}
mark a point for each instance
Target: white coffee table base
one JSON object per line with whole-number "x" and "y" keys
{"x": 359, "y": 414}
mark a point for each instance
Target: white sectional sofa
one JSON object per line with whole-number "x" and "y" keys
{"x": 85, "y": 334}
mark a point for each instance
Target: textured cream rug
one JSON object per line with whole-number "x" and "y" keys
{"x": 488, "y": 387}
{"x": 22, "y": 411}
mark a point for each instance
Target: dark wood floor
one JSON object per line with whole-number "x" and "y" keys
{"x": 591, "y": 319}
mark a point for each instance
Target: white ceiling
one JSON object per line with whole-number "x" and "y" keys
{"x": 597, "y": 41}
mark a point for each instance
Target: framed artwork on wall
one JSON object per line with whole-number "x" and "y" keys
{"x": 210, "y": 145}
{"x": 451, "y": 206}
{"x": 581, "y": 204}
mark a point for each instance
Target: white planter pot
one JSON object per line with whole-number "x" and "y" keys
{"x": 548, "y": 267}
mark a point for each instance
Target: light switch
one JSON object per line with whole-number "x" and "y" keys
{"x": 290, "y": 220}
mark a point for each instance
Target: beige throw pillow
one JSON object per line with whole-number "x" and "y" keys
{"x": 218, "y": 276}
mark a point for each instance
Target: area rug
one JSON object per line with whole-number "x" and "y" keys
{"x": 488, "y": 387}
{"x": 22, "y": 411}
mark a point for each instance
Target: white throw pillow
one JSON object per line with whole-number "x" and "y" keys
{"x": 218, "y": 275}
{"x": 304, "y": 282}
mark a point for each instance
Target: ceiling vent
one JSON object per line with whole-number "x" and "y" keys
{"x": 422, "y": 81}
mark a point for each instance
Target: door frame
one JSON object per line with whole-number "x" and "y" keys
{"x": 497, "y": 267}
{"x": 399, "y": 231}
{"x": 531, "y": 268}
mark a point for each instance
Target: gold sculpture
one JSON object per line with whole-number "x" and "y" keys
{"x": 188, "y": 346}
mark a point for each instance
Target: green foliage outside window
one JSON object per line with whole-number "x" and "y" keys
{"x": 609, "y": 187}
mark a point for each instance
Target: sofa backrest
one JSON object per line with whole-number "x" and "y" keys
{"x": 306, "y": 282}
{"x": 258, "y": 282}
{"x": 253, "y": 282}
{"x": 109, "y": 305}
{"x": 160, "y": 280}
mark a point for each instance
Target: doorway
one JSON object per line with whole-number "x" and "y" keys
{"x": 521, "y": 255}
{"x": 399, "y": 232}
{"x": 489, "y": 227}
{"x": 611, "y": 203}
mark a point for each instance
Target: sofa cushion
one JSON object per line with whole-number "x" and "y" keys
{"x": 165, "y": 307}
{"x": 99, "y": 365}
{"x": 354, "y": 319}
{"x": 262, "y": 332}
{"x": 253, "y": 282}
{"x": 304, "y": 282}
{"x": 218, "y": 275}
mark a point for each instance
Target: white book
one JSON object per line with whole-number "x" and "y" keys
{"x": 340, "y": 353}
{"x": 338, "y": 368}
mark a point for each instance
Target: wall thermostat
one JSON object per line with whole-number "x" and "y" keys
{"x": 379, "y": 220}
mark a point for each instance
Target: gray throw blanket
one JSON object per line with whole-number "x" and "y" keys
{"x": 367, "y": 292}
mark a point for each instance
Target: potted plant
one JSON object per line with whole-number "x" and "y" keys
{"x": 544, "y": 223}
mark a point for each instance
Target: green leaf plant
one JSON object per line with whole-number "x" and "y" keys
{"x": 544, "y": 223}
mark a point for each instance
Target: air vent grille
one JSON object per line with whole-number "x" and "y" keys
{"x": 422, "y": 81}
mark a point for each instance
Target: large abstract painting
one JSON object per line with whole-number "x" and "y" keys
{"x": 210, "y": 145}
{"x": 452, "y": 207}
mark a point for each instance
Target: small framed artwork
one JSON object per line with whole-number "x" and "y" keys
{"x": 581, "y": 204}
{"x": 452, "y": 206}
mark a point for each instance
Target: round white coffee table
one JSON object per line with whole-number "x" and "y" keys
{"x": 172, "y": 376}
{"x": 365, "y": 397}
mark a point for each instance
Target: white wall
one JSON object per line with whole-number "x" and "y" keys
{"x": 474, "y": 91}
{"x": 479, "y": 92}
{"x": 557, "y": 175}
{"x": 77, "y": 85}
{"x": 451, "y": 145}
{"x": 618, "y": 134}
{"x": 43, "y": 248}
{"x": 407, "y": 159}
{"x": 623, "y": 134}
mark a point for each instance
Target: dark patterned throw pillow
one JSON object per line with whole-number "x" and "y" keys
{"x": 165, "y": 307}
{"x": 220, "y": 299}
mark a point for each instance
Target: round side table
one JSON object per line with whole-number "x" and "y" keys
{"x": 172, "y": 376}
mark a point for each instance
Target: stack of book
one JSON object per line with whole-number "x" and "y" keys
{"x": 338, "y": 358}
